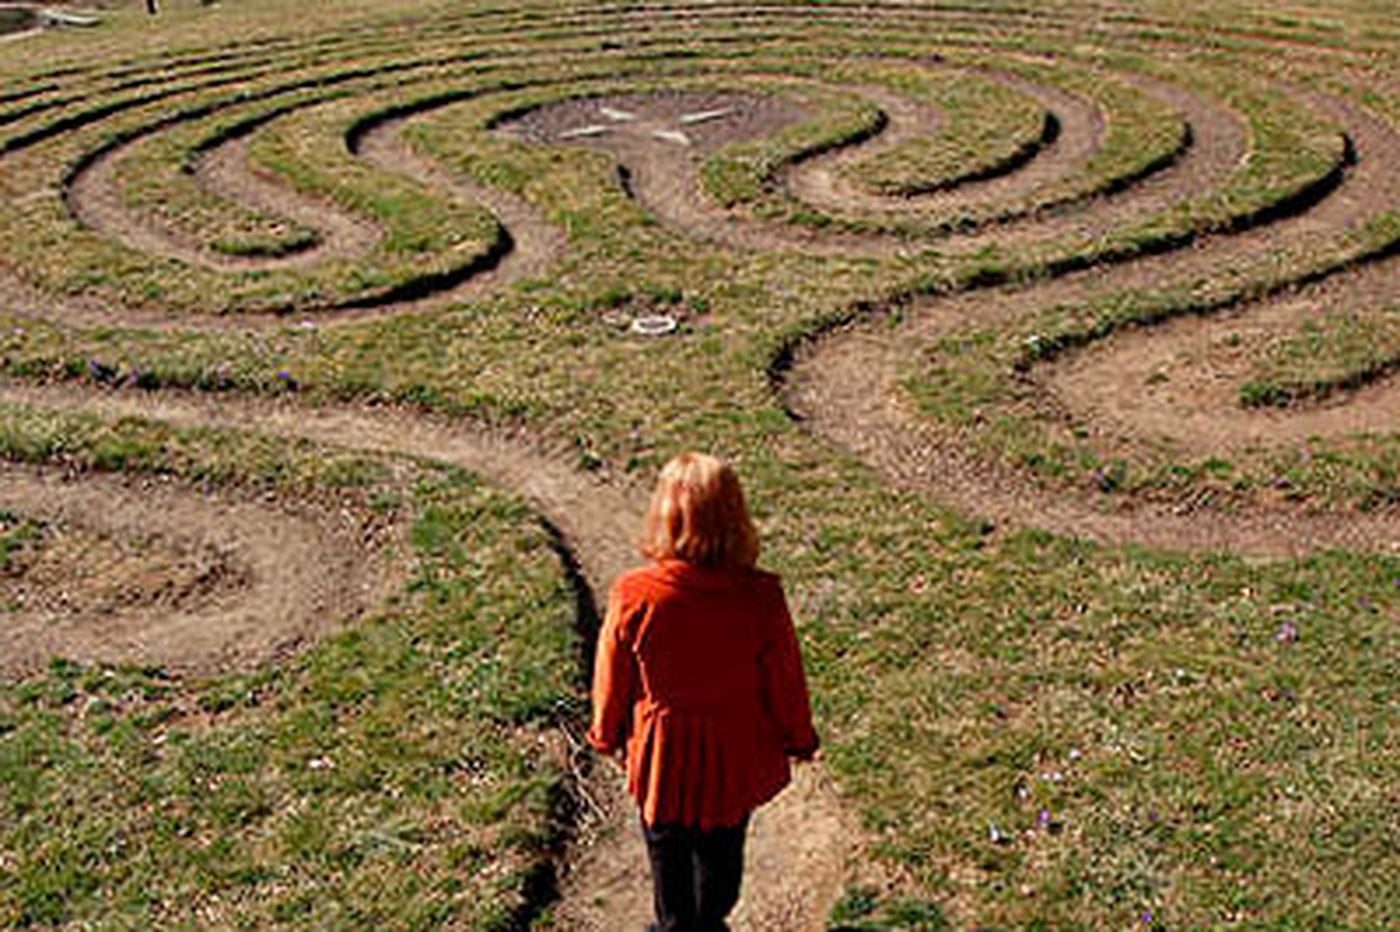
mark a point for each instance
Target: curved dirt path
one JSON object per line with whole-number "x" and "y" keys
{"x": 845, "y": 387}
{"x": 94, "y": 196}
{"x": 531, "y": 244}
{"x": 226, "y": 171}
{"x": 664, "y": 177}
{"x": 800, "y": 844}
{"x": 818, "y": 181}
{"x": 1198, "y": 364}
{"x": 274, "y": 577}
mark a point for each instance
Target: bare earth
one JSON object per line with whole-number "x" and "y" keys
{"x": 235, "y": 583}
{"x": 800, "y": 870}
{"x": 249, "y": 581}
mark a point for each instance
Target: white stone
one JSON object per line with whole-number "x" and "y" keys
{"x": 672, "y": 135}
{"x": 592, "y": 129}
{"x": 654, "y": 325}
{"x": 704, "y": 116}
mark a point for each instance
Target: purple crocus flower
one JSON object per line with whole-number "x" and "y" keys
{"x": 100, "y": 371}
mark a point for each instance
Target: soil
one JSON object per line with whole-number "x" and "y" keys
{"x": 739, "y": 116}
{"x": 800, "y": 843}
{"x": 151, "y": 572}
{"x": 845, "y": 388}
{"x": 94, "y": 197}
{"x": 221, "y": 582}
{"x": 799, "y": 850}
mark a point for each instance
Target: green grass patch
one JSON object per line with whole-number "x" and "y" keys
{"x": 989, "y": 129}
{"x": 1324, "y": 356}
{"x": 404, "y": 772}
{"x": 1210, "y": 739}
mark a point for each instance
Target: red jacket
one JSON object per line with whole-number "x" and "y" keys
{"x": 698, "y": 673}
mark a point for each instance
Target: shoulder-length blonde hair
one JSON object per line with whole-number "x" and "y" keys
{"x": 698, "y": 515}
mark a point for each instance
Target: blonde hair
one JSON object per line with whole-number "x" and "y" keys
{"x": 698, "y": 515}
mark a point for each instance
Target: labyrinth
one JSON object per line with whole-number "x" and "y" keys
{"x": 1057, "y": 344}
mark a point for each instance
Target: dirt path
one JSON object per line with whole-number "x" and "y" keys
{"x": 251, "y": 580}
{"x": 95, "y": 197}
{"x": 799, "y": 850}
{"x": 1180, "y": 382}
{"x": 531, "y": 244}
{"x": 665, "y": 176}
{"x": 534, "y": 244}
{"x": 797, "y": 873}
{"x": 846, "y": 387}
{"x": 818, "y": 181}
{"x": 226, "y": 171}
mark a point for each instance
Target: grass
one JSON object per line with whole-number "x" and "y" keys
{"x": 973, "y": 379}
{"x": 406, "y": 771}
{"x": 1209, "y": 737}
{"x": 158, "y": 182}
{"x": 18, "y": 537}
{"x": 1325, "y": 356}
{"x": 990, "y": 130}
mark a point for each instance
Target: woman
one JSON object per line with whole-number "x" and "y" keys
{"x": 698, "y": 678}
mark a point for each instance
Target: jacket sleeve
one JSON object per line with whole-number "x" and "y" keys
{"x": 785, "y": 683}
{"x": 615, "y": 679}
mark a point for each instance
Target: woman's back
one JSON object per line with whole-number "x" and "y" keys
{"x": 714, "y": 699}
{"x": 699, "y": 679}
{"x": 699, "y": 640}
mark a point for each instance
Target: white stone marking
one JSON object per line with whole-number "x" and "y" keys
{"x": 671, "y": 135}
{"x": 616, "y": 115}
{"x": 67, "y": 18}
{"x": 704, "y": 116}
{"x": 592, "y": 129}
{"x": 654, "y": 325}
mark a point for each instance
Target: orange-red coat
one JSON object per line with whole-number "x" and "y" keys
{"x": 699, "y": 676}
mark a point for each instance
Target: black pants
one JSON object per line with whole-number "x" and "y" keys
{"x": 695, "y": 875}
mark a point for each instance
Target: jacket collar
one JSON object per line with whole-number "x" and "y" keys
{"x": 693, "y": 576}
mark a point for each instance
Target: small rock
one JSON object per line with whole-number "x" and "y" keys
{"x": 654, "y": 325}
